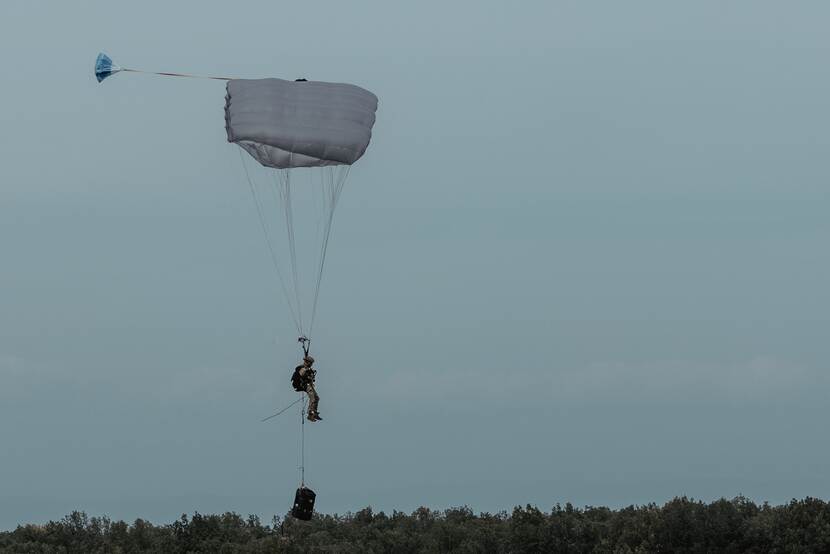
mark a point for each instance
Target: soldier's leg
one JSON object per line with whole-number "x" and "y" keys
{"x": 313, "y": 398}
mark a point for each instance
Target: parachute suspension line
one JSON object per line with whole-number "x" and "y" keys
{"x": 331, "y": 189}
{"x": 317, "y": 202}
{"x": 318, "y": 197}
{"x": 334, "y": 180}
{"x": 284, "y": 186}
{"x": 274, "y": 261}
{"x": 317, "y": 186}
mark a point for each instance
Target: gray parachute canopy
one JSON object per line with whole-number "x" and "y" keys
{"x": 285, "y": 124}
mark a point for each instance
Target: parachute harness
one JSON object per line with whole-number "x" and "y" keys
{"x": 305, "y": 342}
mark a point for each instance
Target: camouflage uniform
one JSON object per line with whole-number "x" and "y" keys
{"x": 308, "y": 374}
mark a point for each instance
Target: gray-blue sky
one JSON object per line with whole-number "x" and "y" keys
{"x": 584, "y": 259}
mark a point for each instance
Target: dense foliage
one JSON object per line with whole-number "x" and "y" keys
{"x": 681, "y": 525}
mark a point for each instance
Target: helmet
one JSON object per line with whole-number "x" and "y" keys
{"x": 309, "y": 360}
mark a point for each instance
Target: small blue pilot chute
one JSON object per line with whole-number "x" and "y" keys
{"x": 104, "y": 67}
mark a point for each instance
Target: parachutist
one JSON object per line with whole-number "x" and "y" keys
{"x": 303, "y": 381}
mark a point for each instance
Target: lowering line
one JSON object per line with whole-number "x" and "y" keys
{"x": 302, "y": 442}
{"x": 281, "y": 411}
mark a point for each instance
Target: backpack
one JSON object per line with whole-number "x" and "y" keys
{"x": 297, "y": 380}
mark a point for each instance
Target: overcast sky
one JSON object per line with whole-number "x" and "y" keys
{"x": 584, "y": 259}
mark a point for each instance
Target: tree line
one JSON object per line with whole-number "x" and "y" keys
{"x": 681, "y": 525}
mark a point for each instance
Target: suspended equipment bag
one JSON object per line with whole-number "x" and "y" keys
{"x": 303, "y": 504}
